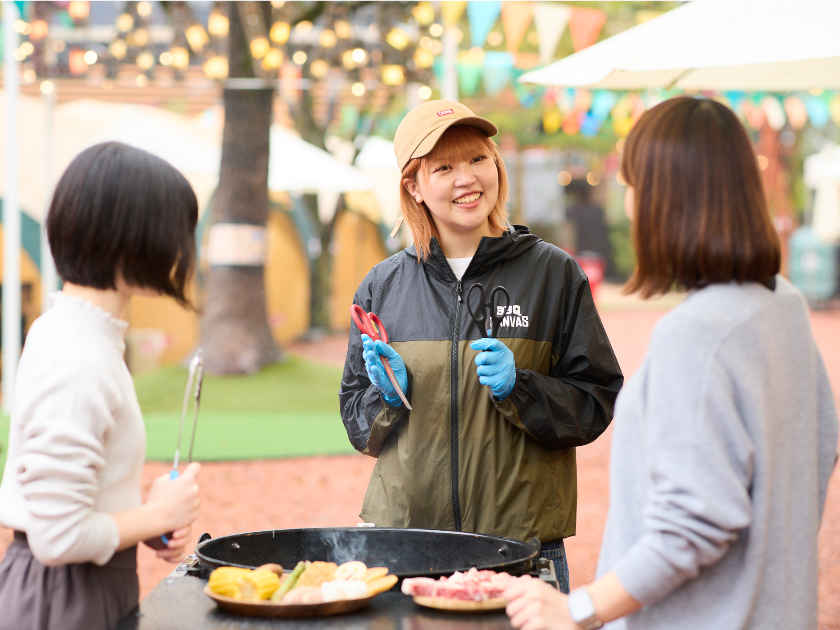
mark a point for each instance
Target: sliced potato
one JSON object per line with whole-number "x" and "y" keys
{"x": 375, "y": 572}
{"x": 354, "y": 570}
{"x": 273, "y": 567}
{"x": 382, "y": 584}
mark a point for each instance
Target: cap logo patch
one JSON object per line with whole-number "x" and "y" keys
{"x": 444, "y": 112}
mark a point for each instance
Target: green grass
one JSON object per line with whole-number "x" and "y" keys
{"x": 288, "y": 409}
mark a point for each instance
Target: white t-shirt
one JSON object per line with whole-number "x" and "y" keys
{"x": 459, "y": 265}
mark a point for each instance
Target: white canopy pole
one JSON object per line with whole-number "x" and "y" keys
{"x": 49, "y": 277}
{"x": 11, "y": 211}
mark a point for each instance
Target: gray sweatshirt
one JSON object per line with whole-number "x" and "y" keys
{"x": 723, "y": 445}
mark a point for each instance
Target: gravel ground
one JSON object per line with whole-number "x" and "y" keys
{"x": 328, "y": 491}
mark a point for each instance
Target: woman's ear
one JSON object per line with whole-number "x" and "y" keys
{"x": 411, "y": 186}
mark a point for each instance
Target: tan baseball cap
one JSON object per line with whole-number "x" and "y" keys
{"x": 423, "y": 126}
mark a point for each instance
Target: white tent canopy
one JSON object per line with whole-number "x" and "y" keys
{"x": 297, "y": 166}
{"x": 377, "y": 159}
{"x": 822, "y": 172}
{"x": 712, "y": 45}
{"x": 193, "y": 146}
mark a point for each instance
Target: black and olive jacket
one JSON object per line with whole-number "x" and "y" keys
{"x": 461, "y": 460}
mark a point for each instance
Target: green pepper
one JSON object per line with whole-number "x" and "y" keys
{"x": 288, "y": 584}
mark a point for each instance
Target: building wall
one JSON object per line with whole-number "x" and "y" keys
{"x": 357, "y": 248}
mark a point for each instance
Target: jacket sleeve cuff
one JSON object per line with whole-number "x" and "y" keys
{"x": 509, "y": 411}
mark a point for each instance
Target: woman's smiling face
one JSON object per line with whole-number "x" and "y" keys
{"x": 459, "y": 183}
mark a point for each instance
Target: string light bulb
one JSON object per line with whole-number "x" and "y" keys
{"x": 327, "y": 38}
{"x": 425, "y": 92}
{"x": 272, "y": 59}
{"x": 196, "y": 37}
{"x": 165, "y": 58}
{"x": 91, "y": 57}
{"x": 392, "y": 74}
{"x": 279, "y": 32}
{"x": 319, "y": 68}
{"x": 217, "y": 24}
{"x": 144, "y": 9}
{"x": 424, "y": 13}
{"x": 260, "y": 47}
{"x": 397, "y": 38}
{"x": 78, "y": 10}
{"x": 144, "y": 61}
{"x": 47, "y": 87}
{"x": 358, "y": 89}
{"x": 118, "y": 49}
{"x": 125, "y": 22}
{"x": 299, "y": 57}
{"x": 343, "y": 29}
{"x": 423, "y": 58}
{"x": 215, "y": 68}
{"x": 359, "y": 55}
{"x": 303, "y": 28}
{"x": 180, "y": 57}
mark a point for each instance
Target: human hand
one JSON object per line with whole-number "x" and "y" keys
{"x": 176, "y": 548}
{"x": 372, "y": 351}
{"x": 174, "y": 504}
{"x": 496, "y": 366}
{"x": 534, "y": 605}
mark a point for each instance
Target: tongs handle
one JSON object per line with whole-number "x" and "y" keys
{"x": 195, "y": 377}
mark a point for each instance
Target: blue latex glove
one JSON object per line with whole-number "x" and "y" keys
{"x": 496, "y": 367}
{"x": 372, "y": 350}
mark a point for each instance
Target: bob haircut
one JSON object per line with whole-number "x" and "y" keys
{"x": 700, "y": 214}
{"x": 458, "y": 143}
{"x": 120, "y": 210}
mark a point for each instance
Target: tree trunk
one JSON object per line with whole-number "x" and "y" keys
{"x": 235, "y": 334}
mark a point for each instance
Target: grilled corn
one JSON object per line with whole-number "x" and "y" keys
{"x": 258, "y": 584}
{"x": 225, "y": 581}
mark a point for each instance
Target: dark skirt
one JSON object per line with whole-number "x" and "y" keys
{"x": 68, "y": 597}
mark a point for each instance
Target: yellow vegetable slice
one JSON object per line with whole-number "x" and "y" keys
{"x": 375, "y": 572}
{"x": 258, "y": 584}
{"x": 354, "y": 570}
{"x": 382, "y": 584}
{"x": 225, "y": 581}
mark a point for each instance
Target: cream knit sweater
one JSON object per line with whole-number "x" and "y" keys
{"x": 76, "y": 441}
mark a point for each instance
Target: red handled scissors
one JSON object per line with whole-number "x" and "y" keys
{"x": 371, "y": 325}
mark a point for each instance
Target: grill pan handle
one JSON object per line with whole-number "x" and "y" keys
{"x": 536, "y": 544}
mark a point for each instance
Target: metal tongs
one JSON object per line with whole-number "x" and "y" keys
{"x": 195, "y": 377}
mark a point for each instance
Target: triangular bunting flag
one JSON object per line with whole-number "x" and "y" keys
{"x": 482, "y": 16}
{"x": 516, "y": 18}
{"x": 469, "y": 74}
{"x": 585, "y": 25}
{"x": 498, "y": 71}
{"x": 550, "y": 20}
{"x": 796, "y": 113}
{"x": 452, "y": 10}
{"x": 818, "y": 111}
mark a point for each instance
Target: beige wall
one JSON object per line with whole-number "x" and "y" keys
{"x": 358, "y": 247}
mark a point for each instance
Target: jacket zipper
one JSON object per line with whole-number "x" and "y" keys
{"x": 456, "y": 502}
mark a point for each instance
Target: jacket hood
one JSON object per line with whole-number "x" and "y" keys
{"x": 491, "y": 250}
